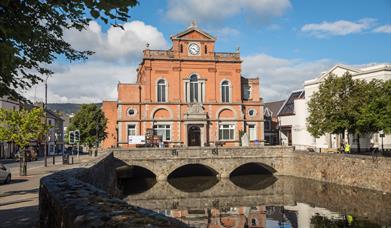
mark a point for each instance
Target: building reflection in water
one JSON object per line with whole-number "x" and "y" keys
{"x": 256, "y": 201}
{"x": 224, "y": 217}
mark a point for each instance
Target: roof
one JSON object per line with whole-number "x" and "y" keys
{"x": 288, "y": 108}
{"x": 273, "y": 107}
{"x": 191, "y": 28}
{"x": 354, "y": 71}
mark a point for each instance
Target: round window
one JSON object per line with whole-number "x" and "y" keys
{"x": 131, "y": 112}
{"x": 251, "y": 112}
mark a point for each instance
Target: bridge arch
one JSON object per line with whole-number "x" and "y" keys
{"x": 196, "y": 169}
{"x": 252, "y": 168}
{"x": 134, "y": 179}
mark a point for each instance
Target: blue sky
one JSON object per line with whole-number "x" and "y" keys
{"x": 283, "y": 42}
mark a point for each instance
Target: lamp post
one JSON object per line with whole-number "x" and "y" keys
{"x": 55, "y": 147}
{"x": 46, "y": 121}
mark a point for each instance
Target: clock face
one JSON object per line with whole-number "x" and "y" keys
{"x": 194, "y": 49}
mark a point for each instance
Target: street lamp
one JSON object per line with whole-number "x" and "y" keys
{"x": 55, "y": 147}
{"x": 46, "y": 120}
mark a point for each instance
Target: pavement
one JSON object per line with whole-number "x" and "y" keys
{"x": 19, "y": 199}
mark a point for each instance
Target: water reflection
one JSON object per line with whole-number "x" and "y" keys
{"x": 193, "y": 184}
{"x": 253, "y": 182}
{"x": 263, "y": 202}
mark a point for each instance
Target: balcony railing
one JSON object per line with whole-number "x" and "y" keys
{"x": 227, "y": 56}
{"x": 167, "y": 54}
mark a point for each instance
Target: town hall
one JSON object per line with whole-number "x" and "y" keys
{"x": 189, "y": 95}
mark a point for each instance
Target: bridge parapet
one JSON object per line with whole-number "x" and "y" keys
{"x": 164, "y": 161}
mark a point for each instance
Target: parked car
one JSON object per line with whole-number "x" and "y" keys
{"x": 5, "y": 174}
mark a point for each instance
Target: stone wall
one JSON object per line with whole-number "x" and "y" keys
{"x": 351, "y": 170}
{"x": 162, "y": 162}
{"x": 87, "y": 196}
{"x": 67, "y": 201}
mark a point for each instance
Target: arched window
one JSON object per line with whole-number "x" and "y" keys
{"x": 225, "y": 91}
{"x": 161, "y": 91}
{"x": 194, "y": 89}
{"x": 206, "y": 49}
{"x": 181, "y": 47}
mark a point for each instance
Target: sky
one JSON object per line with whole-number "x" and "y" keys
{"x": 283, "y": 42}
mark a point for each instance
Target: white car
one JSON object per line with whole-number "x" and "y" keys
{"x": 5, "y": 174}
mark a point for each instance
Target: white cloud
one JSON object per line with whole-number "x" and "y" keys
{"x": 217, "y": 10}
{"x": 383, "y": 29}
{"x": 116, "y": 44}
{"x": 87, "y": 82}
{"x": 117, "y": 54}
{"x": 338, "y": 28}
{"x": 279, "y": 76}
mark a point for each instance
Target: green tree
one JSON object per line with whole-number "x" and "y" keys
{"x": 356, "y": 106}
{"x": 375, "y": 115}
{"x": 21, "y": 127}
{"x": 91, "y": 122}
{"x": 31, "y": 36}
{"x": 331, "y": 108}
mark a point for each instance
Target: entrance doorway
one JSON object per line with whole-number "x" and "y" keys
{"x": 194, "y": 136}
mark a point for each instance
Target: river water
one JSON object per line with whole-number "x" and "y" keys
{"x": 261, "y": 201}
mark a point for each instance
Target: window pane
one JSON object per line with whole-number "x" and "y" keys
{"x": 231, "y": 134}
{"x": 163, "y": 94}
{"x": 252, "y": 132}
{"x": 131, "y": 130}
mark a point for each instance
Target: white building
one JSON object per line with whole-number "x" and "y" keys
{"x": 293, "y": 114}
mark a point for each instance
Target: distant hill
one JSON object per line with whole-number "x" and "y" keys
{"x": 67, "y": 108}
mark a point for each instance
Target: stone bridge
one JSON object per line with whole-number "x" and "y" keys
{"x": 221, "y": 161}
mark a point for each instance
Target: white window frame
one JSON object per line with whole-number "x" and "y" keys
{"x": 159, "y": 93}
{"x": 252, "y": 135}
{"x": 127, "y": 129}
{"x": 200, "y": 84}
{"x": 247, "y": 88}
{"x": 228, "y": 92}
{"x": 231, "y": 128}
{"x": 164, "y": 135}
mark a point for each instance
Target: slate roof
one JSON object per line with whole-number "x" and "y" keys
{"x": 274, "y": 107}
{"x": 289, "y": 106}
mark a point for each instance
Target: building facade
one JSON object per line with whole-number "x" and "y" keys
{"x": 271, "y": 124}
{"x": 293, "y": 114}
{"x": 190, "y": 95}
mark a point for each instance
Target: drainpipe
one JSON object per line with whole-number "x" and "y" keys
{"x": 139, "y": 109}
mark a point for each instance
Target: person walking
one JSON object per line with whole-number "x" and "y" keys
{"x": 347, "y": 148}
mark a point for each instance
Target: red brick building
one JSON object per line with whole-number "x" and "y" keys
{"x": 189, "y": 94}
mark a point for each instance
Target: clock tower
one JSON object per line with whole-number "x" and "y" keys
{"x": 193, "y": 43}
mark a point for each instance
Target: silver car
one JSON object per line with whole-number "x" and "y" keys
{"x": 5, "y": 174}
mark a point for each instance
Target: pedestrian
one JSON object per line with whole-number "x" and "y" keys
{"x": 341, "y": 148}
{"x": 347, "y": 148}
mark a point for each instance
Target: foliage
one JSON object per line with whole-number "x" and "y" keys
{"x": 318, "y": 221}
{"x": 67, "y": 108}
{"x": 31, "y": 36}
{"x": 353, "y": 105}
{"x": 91, "y": 122}
{"x": 376, "y": 114}
{"x": 22, "y": 126}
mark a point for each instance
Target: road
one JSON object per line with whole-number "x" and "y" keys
{"x": 14, "y": 165}
{"x": 19, "y": 199}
